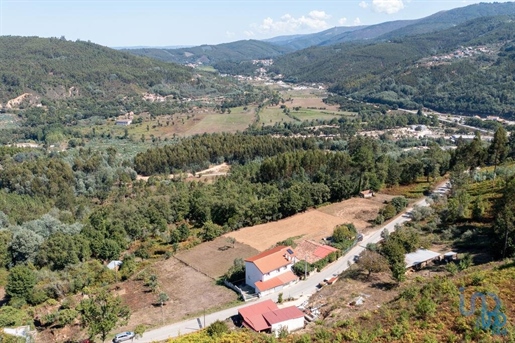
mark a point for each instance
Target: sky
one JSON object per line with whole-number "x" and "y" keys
{"x": 126, "y": 23}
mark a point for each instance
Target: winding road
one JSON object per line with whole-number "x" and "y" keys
{"x": 300, "y": 291}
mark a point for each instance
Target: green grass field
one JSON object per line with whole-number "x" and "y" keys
{"x": 308, "y": 114}
{"x": 272, "y": 115}
{"x": 237, "y": 120}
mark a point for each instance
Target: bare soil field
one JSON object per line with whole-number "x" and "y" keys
{"x": 312, "y": 101}
{"x": 190, "y": 293}
{"x": 216, "y": 257}
{"x": 312, "y": 224}
{"x": 210, "y": 173}
{"x": 358, "y": 211}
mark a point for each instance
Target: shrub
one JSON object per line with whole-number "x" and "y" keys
{"x": 218, "y": 328}
{"x": 399, "y": 203}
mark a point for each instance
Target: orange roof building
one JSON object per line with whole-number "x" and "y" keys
{"x": 271, "y": 270}
{"x": 312, "y": 252}
{"x": 266, "y": 316}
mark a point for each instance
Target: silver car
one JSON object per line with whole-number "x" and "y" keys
{"x": 124, "y": 336}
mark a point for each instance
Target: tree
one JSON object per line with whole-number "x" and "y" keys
{"x": 24, "y": 245}
{"x": 372, "y": 262}
{"x": 21, "y": 282}
{"x": 498, "y": 149}
{"x": 139, "y": 330}
{"x": 399, "y": 203}
{"x": 152, "y": 283}
{"x": 343, "y": 233}
{"x": 162, "y": 298}
{"x": 211, "y": 230}
{"x": 102, "y": 312}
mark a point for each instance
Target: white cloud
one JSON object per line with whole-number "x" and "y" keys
{"x": 363, "y": 4}
{"x": 342, "y": 21}
{"x": 249, "y": 33}
{"x": 387, "y": 6}
{"x": 357, "y": 21}
{"x": 229, "y": 34}
{"x": 315, "y": 20}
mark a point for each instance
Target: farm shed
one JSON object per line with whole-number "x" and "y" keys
{"x": 420, "y": 258}
{"x": 366, "y": 194}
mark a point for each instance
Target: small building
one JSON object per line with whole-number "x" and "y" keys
{"x": 123, "y": 122}
{"x": 312, "y": 252}
{"x": 450, "y": 256}
{"x": 265, "y": 316}
{"x": 115, "y": 264}
{"x": 271, "y": 270}
{"x": 366, "y": 194}
{"x": 420, "y": 258}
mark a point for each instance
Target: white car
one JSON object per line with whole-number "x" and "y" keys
{"x": 124, "y": 336}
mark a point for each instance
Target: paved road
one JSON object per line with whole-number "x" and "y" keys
{"x": 301, "y": 291}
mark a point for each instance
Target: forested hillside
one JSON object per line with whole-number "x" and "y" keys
{"x": 394, "y": 72}
{"x": 55, "y": 81}
{"x": 244, "y": 50}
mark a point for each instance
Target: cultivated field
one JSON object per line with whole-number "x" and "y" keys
{"x": 216, "y": 257}
{"x": 313, "y": 224}
{"x": 237, "y": 120}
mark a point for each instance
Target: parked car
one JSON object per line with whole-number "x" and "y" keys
{"x": 123, "y": 336}
{"x": 360, "y": 237}
{"x": 356, "y": 258}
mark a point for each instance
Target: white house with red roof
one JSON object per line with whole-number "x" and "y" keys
{"x": 271, "y": 270}
{"x": 266, "y": 316}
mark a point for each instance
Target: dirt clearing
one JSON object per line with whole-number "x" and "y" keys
{"x": 358, "y": 211}
{"x": 312, "y": 224}
{"x": 190, "y": 293}
{"x": 216, "y": 257}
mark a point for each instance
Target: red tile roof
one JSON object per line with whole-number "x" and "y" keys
{"x": 282, "y": 315}
{"x": 323, "y": 251}
{"x": 253, "y": 314}
{"x": 312, "y": 252}
{"x": 262, "y": 315}
{"x": 272, "y": 259}
{"x": 276, "y": 281}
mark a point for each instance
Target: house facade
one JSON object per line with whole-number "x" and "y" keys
{"x": 265, "y": 316}
{"x": 288, "y": 319}
{"x": 271, "y": 270}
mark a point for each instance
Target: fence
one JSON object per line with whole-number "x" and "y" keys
{"x": 244, "y": 296}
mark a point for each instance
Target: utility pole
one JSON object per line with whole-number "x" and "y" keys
{"x": 305, "y": 267}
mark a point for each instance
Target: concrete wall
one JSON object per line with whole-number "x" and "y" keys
{"x": 290, "y": 325}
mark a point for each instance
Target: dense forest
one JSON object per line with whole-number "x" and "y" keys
{"x": 239, "y": 51}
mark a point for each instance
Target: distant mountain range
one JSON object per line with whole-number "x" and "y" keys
{"x": 270, "y": 48}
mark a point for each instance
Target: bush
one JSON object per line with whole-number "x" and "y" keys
{"x": 399, "y": 203}
{"x": 389, "y": 211}
{"x": 218, "y": 328}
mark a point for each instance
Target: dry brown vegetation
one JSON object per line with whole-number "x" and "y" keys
{"x": 216, "y": 257}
